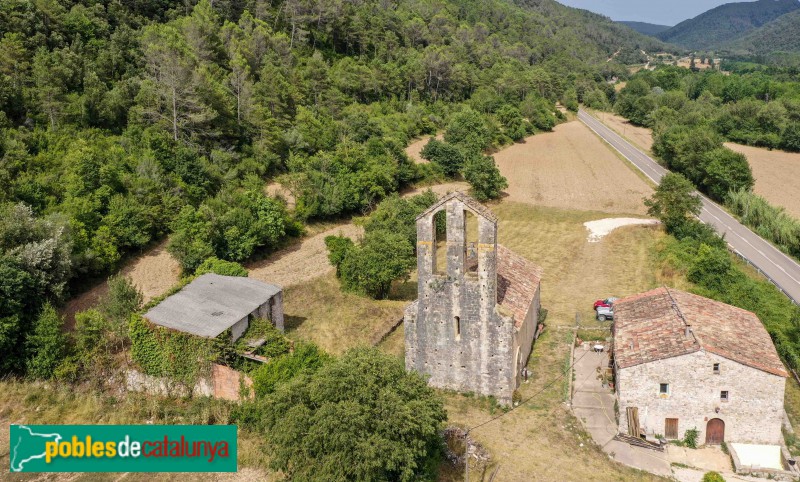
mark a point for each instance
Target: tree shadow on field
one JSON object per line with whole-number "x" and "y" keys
{"x": 291, "y": 323}
{"x": 403, "y": 291}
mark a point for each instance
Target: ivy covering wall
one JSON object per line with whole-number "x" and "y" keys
{"x": 162, "y": 352}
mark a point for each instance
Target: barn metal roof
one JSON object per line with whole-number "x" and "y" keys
{"x": 211, "y": 304}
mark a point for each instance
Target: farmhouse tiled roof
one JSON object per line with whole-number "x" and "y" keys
{"x": 517, "y": 282}
{"x": 471, "y": 203}
{"x": 664, "y": 323}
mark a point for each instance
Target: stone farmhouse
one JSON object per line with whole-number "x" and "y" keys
{"x": 473, "y": 325}
{"x": 212, "y": 304}
{"x": 683, "y": 361}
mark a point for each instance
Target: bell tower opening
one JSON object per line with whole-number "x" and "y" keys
{"x": 470, "y": 243}
{"x": 440, "y": 243}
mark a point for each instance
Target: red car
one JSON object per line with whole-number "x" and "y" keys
{"x": 607, "y": 303}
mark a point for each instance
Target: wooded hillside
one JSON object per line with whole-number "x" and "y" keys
{"x": 123, "y": 122}
{"x": 726, "y": 23}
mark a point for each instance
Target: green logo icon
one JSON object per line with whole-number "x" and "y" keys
{"x": 123, "y": 448}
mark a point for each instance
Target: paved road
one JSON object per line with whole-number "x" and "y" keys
{"x": 782, "y": 270}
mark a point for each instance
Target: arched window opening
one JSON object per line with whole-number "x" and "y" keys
{"x": 440, "y": 243}
{"x": 470, "y": 243}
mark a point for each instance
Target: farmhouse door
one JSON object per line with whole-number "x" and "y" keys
{"x": 715, "y": 431}
{"x": 671, "y": 428}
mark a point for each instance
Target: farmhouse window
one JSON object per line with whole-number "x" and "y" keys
{"x": 716, "y": 368}
{"x": 723, "y": 395}
{"x": 663, "y": 389}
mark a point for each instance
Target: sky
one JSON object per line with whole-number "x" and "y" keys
{"x": 661, "y": 12}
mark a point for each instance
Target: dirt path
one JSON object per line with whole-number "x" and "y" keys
{"x": 153, "y": 272}
{"x": 571, "y": 168}
{"x": 302, "y": 261}
{"x": 776, "y": 173}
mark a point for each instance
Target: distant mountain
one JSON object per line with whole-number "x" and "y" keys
{"x": 781, "y": 35}
{"x": 645, "y": 28}
{"x": 592, "y": 29}
{"x": 726, "y": 23}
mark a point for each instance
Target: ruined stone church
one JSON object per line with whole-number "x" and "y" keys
{"x": 477, "y": 314}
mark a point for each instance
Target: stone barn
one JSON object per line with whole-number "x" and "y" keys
{"x": 683, "y": 361}
{"x": 476, "y": 317}
{"x": 212, "y": 304}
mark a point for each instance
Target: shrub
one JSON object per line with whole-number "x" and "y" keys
{"x": 338, "y": 247}
{"x": 307, "y": 358}
{"x": 360, "y": 417}
{"x": 690, "y": 438}
{"x": 230, "y": 226}
{"x": 122, "y": 300}
{"x": 713, "y": 477}
{"x": 221, "y": 267}
{"x": 447, "y": 156}
{"x": 467, "y": 129}
{"x": 712, "y": 268}
{"x": 398, "y": 215}
{"x": 47, "y": 345}
{"x": 484, "y": 177}
{"x": 674, "y": 202}
{"x": 381, "y": 258}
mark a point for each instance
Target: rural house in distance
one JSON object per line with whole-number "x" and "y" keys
{"x": 212, "y": 304}
{"x": 683, "y": 361}
{"x": 476, "y": 317}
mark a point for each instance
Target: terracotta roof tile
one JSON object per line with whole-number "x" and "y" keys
{"x": 517, "y": 282}
{"x": 652, "y": 326}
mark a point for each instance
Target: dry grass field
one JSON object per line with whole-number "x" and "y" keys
{"x": 304, "y": 259}
{"x": 541, "y": 440}
{"x": 320, "y": 311}
{"x": 776, "y": 174}
{"x": 686, "y": 62}
{"x": 570, "y": 168}
{"x": 641, "y": 137}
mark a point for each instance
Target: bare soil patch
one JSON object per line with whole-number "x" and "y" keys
{"x": 303, "y": 261}
{"x": 153, "y": 272}
{"x": 413, "y": 150}
{"x": 776, "y": 174}
{"x": 571, "y": 168}
{"x": 275, "y": 189}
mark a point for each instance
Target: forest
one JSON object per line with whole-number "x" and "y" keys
{"x": 122, "y": 123}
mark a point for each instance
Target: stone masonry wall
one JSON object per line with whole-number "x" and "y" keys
{"x": 453, "y": 331}
{"x": 523, "y": 338}
{"x": 753, "y": 414}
